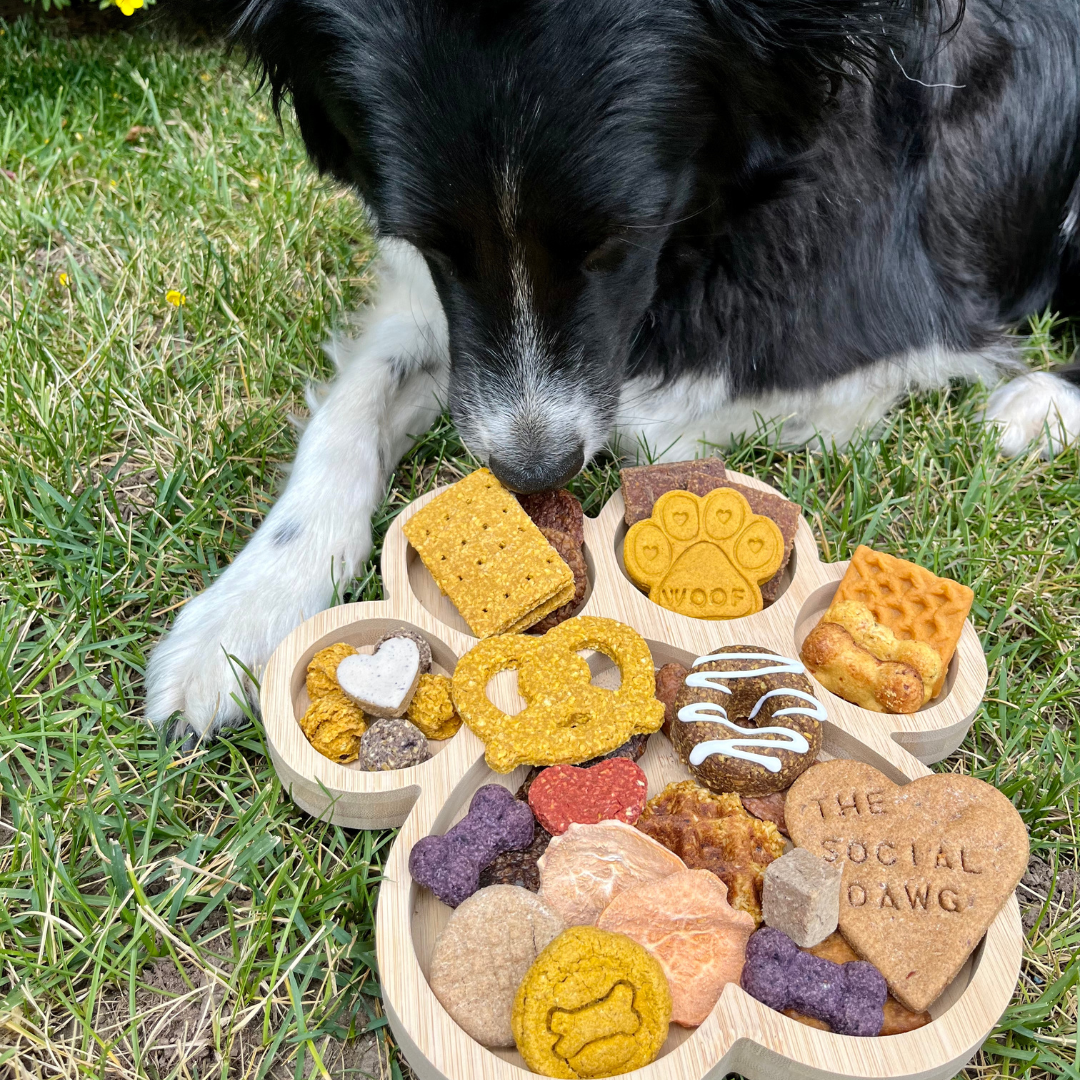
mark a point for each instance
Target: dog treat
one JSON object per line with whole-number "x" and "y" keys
{"x": 421, "y": 644}
{"x": 705, "y": 558}
{"x": 800, "y": 895}
{"x": 392, "y": 744}
{"x": 926, "y": 866}
{"x": 767, "y": 808}
{"x": 586, "y": 867}
{"x": 570, "y": 552}
{"x": 333, "y": 725}
{"x": 747, "y": 720}
{"x": 432, "y": 708}
{"x": 632, "y": 750}
{"x": 518, "y": 867}
{"x": 642, "y": 485}
{"x": 850, "y": 998}
{"x": 613, "y": 790}
{"x": 566, "y": 719}
{"x": 686, "y": 922}
{"x": 322, "y": 670}
{"x": 854, "y": 656}
{"x": 669, "y": 680}
{"x": 483, "y": 953}
{"x": 912, "y": 602}
{"x": 787, "y": 516}
{"x": 488, "y": 557}
{"x": 382, "y": 684}
{"x": 450, "y": 865}
{"x": 714, "y": 832}
{"x": 593, "y": 1004}
{"x": 557, "y": 510}
{"x": 897, "y": 1019}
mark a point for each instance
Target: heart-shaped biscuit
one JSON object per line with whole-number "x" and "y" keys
{"x": 383, "y": 683}
{"x": 612, "y": 790}
{"x": 927, "y": 866}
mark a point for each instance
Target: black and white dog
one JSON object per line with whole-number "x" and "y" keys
{"x": 651, "y": 220}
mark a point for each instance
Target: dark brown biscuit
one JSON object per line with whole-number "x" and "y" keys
{"x": 767, "y": 808}
{"x": 669, "y": 680}
{"x": 557, "y": 510}
{"x": 570, "y": 553}
{"x": 642, "y": 485}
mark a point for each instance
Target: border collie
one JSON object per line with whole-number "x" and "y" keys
{"x": 650, "y": 221}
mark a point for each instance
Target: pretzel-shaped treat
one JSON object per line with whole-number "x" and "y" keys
{"x": 566, "y": 719}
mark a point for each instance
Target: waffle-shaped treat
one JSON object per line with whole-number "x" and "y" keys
{"x": 714, "y": 832}
{"x": 488, "y": 557}
{"x": 912, "y": 602}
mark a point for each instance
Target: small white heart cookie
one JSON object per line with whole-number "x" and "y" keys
{"x": 383, "y": 683}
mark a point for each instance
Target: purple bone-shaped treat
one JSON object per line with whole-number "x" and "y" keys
{"x": 850, "y": 997}
{"x": 450, "y": 865}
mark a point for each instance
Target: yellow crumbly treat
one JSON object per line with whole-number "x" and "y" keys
{"x": 333, "y": 723}
{"x": 911, "y": 601}
{"x": 566, "y": 719}
{"x": 432, "y": 708}
{"x": 321, "y": 677}
{"x": 706, "y": 558}
{"x": 488, "y": 557}
{"x": 593, "y": 1004}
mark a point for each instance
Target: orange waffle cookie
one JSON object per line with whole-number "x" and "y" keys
{"x": 488, "y": 557}
{"x": 913, "y": 603}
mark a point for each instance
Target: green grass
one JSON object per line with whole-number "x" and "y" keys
{"x": 165, "y": 916}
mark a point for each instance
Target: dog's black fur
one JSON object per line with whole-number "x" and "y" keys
{"x": 780, "y": 191}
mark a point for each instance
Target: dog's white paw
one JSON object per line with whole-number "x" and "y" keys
{"x": 197, "y": 670}
{"x": 1039, "y": 409}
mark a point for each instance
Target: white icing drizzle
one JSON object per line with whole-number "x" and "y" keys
{"x": 817, "y": 711}
{"x": 789, "y": 739}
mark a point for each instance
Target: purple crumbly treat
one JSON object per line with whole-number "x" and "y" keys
{"x": 450, "y": 865}
{"x": 850, "y": 997}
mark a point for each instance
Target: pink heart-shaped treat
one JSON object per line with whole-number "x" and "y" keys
{"x": 613, "y": 790}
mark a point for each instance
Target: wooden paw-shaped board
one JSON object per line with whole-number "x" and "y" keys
{"x": 740, "y": 1035}
{"x": 348, "y": 796}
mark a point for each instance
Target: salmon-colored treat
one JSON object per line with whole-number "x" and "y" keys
{"x": 586, "y": 867}
{"x": 686, "y": 922}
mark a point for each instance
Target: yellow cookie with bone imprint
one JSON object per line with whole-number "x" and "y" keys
{"x": 704, "y": 557}
{"x": 593, "y": 1004}
{"x": 566, "y": 720}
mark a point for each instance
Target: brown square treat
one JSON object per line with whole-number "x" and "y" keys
{"x": 786, "y": 515}
{"x": 557, "y": 510}
{"x": 571, "y": 554}
{"x": 642, "y": 485}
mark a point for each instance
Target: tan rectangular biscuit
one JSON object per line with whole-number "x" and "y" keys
{"x": 488, "y": 557}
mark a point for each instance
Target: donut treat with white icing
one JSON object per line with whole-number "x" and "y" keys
{"x": 747, "y": 720}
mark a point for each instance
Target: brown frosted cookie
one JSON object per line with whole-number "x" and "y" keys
{"x": 747, "y": 720}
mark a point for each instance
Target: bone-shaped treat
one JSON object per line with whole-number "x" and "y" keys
{"x": 450, "y": 865}
{"x": 850, "y": 998}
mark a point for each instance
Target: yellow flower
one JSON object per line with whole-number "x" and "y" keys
{"x": 128, "y": 6}
{"x": 175, "y": 297}
{"x": 64, "y": 280}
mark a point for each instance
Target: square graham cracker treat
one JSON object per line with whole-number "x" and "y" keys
{"x": 909, "y": 600}
{"x": 488, "y": 557}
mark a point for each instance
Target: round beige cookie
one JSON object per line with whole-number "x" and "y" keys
{"x": 482, "y": 955}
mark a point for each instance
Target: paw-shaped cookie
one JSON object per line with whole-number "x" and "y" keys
{"x": 704, "y": 557}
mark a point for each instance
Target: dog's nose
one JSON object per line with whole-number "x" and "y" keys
{"x": 539, "y": 475}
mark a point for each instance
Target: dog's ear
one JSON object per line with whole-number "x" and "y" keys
{"x": 287, "y": 39}
{"x": 776, "y": 64}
